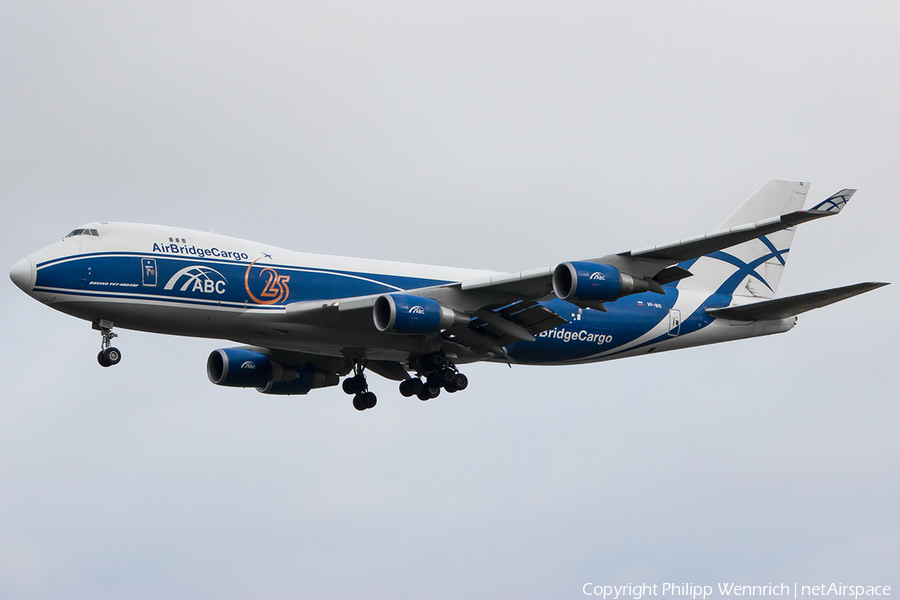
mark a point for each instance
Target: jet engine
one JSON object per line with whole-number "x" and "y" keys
{"x": 589, "y": 281}
{"x": 404, "y": 313}
{"x": 238, "y": 367}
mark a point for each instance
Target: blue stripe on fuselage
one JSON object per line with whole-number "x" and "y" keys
{"x": 224, "y": 283}
{"x": 210, "y": 280}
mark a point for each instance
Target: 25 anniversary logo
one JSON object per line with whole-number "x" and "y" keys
{"x": 275, "y": 289}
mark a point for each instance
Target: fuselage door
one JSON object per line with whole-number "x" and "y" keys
{"x": 674, "y": 322}
{"x": 148, "y": 271}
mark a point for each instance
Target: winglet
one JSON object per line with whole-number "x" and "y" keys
{"x": 835, "y": 203}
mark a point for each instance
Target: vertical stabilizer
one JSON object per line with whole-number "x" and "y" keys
{"x": 753, "y": 268}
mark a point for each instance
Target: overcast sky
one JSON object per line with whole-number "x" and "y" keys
{"x": 492, "y": 135}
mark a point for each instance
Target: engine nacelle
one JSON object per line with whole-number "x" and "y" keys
{"x": 404, "y": 313}
{"x": 308, "y": 378}
{"x": 594, "y": 282}
{"x": 237, "y": 367}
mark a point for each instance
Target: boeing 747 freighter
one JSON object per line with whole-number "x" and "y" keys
{"x": 304, "y": 321}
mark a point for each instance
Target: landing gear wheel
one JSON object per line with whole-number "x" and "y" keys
{"x": 411, "y": 387}
{"x": 459, "y": 383}
{"x": 354, "y": 385}
{"x": 358, "y": 388}
{"x": 113, "y": 355}
{"x": 109, "y": 357}
{"x": 364, "y": 401}
{"x": 434, "y": 362}
{"x": 446, "y": 377}
{"x": 429, "y": 391}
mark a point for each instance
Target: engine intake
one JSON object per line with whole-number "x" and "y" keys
{"x": 594, "y": 282}
{"x": 404, "y": 313}
{"x": 237, "y": 367}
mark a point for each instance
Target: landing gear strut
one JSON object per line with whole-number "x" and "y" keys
{"x": 358, "y": 387}
{"x": 440, "y": 373}
{"x": 108, "y": 356}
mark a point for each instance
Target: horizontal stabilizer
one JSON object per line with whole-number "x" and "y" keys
{"x": 782, "y": 308}
{"x": 835, "y": 203}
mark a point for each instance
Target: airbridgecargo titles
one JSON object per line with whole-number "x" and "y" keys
{"x": 307, "y": 321}
{"x": 195, "y": 251}
{"x": 581, "y": 335}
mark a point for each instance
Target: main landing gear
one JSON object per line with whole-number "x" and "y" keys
{"x": 108, "y": 356}
{"x": 440, "y": 374}
{"x": 435, "y": 372}
{"x": 358, "y": 387}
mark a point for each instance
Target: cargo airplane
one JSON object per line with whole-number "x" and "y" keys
{"x": 305, "y": 321}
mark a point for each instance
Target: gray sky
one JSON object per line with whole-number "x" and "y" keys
{"x": 508, "y": 136}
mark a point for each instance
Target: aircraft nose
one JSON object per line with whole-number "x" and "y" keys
{"x": 22, "y": 274}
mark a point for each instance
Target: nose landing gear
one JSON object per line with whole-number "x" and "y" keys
{"x": 109, "y": 355}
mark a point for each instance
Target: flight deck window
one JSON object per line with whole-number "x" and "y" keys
{"x": 90, "y": 232}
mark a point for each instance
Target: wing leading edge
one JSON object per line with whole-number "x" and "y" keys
{"x": 504, "y": 308}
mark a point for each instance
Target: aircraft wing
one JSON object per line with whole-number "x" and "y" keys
{"x": 497, "y": 318}
{"x": 656, "y": 264}
{"x": 654, "y": 261}
{"x": 504, "y": 308}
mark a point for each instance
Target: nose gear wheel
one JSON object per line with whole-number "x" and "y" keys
{"x": 109, "y": 355}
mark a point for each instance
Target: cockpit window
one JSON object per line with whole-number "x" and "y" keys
{"x": 92, "y": 232}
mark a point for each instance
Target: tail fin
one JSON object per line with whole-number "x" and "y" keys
{"x": 754, "y": 268}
